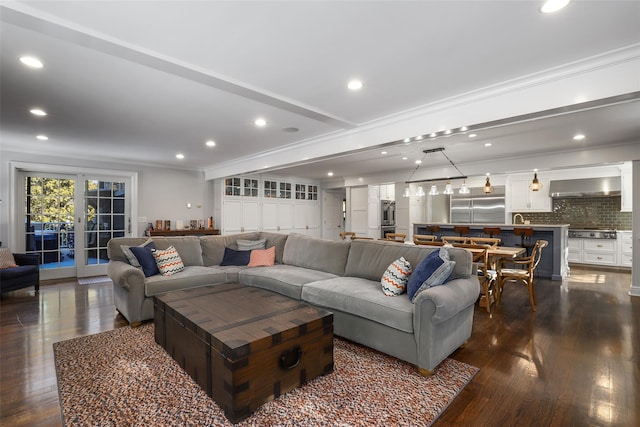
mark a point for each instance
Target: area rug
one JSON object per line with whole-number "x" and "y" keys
{"x": 93, "y": 280}
{"x": 123, "y": 378}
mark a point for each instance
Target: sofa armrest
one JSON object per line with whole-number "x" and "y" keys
{"x": 27, "y": 259}
{"x": 126, "y": 276}
{"x": 440, "y": 303}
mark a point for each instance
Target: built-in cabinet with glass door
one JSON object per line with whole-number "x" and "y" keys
{"x": 270, "y": 204}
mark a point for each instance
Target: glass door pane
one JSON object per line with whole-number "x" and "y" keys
{"x": 104, "y": 217}
{"x": 49, "y": 220}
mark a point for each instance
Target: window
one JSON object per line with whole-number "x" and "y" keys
{"x": 312, "y": 192}
{"x": 232, "y": 187}
{"x": 270, "y": 189}
{"x": 250, "y": 187}
{"x": 301, "y": 192}
{"x": 285, "y": 190}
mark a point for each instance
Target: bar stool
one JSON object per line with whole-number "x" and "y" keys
{"x": 461, "y": 230}
{"x": 491, "y": 231}
{"x": 434, "y": 230}
{"x": 525, "y": 234}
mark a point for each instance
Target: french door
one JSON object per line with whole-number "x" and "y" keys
{"x": 69, "y": 220}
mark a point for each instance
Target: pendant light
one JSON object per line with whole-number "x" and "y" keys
{"x": 487, "y": 189}
{"x": 464, "y": 189}
{"x": 535, "y": 184}
{"x": 448, "y": 189}
{"x": 434, "y": 191}
{"x": 406, "y": 192}
{"x": 420, "y": 191}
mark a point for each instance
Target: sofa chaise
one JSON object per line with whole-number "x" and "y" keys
{"x": 341, "y": 276}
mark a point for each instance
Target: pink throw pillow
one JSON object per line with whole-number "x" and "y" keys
{"x": 262, "y": 257}
{"x": 7, "y": 260}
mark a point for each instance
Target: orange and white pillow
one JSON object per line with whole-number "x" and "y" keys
{"x": 6, "y": 259}
{"x": 395, "y": 278}
{"x": 168, "y": 261}
{"x": 262, "y": 257}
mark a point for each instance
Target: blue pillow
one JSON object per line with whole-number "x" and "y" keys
{"x": 233, "y": 257}
{"x": 144, "y": 255}
{"x": 433, "y": 270}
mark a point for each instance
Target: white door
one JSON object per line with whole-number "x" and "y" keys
{"x": 105, "y": 214}
{"x": 332, "y": 214}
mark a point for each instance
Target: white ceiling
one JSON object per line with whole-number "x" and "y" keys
{"x": 140, "y": 81}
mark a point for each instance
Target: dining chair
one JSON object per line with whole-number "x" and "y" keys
{"x": 395, "y": 237}
{"x": 419, "y": 239}
{"x": 493, "y": 241}
{"x": 455, "y": 239}
{"x": 361, "y": 238}
{"x": 434, "y": 230}
{"x": 486, "y": 276}
{"x": 349, "y": 234}
{"x": 524, "y": 274}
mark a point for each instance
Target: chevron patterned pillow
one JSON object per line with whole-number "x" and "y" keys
{"x": 168, "y": 260}
{"x": 394, "y": 280}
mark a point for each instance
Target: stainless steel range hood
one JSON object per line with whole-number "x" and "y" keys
{"x": 589, "y": 187}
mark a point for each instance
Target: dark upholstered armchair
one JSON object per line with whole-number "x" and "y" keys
{"x": 26, "y": 274}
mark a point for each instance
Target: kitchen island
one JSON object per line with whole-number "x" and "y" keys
{"x": 554, "y": 263}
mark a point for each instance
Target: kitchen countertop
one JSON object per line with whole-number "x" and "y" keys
{"x": 505, "y": 226}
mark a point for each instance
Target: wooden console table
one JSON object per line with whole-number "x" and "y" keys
{"x": 201, "y": 232}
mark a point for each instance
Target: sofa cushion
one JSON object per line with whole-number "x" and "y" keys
{"x": 394, "y": 280}
{"x": 190, "y": 277}
{"x": 213, "y": 246}
{"x": 233, "y": 257}
{"x": 187, "y": 246}
{"x": 361, "y": 297}
{"x": 284, "y": 279}
{"x": 145, "y": 257}
{"x": 370, "y": 258}
{"x": 262, "y": 257}
{"x": 168, "y": 261}
{"x": 319, "y": 254}
{"x": 249, "y": 245}
{"x": 433, "y": 270}
{"x": 6, "y": 259}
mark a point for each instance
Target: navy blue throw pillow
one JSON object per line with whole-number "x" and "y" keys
{"x": 146, "y": 260}
{"x": 233, "y": 257}
{"x": 433, "y": 270}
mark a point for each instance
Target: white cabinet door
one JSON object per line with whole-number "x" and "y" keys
{"x": 285, "y": 217}
{"x": 625, "y": 248}
{"x": 270, "y": 215}
{"x": 522, "y": 199}
{"x": 601, "y": 252}
{"x": 231, "y": 216}
{"x": 250, "y": 215}
{"x": 575, "y": 250}
{"x": 305, "y": 218}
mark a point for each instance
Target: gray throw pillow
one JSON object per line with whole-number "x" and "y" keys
{"x": 249, "y": 245}
{"x": 129, "y": 254}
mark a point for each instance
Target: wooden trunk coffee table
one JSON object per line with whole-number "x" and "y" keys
{"x": 243, "y": 345}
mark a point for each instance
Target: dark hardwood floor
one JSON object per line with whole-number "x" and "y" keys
{"x": 574, "y": 362}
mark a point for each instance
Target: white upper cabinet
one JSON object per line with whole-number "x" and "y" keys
{"x": 520, "y": 198}
{"x": 387, "y": 191}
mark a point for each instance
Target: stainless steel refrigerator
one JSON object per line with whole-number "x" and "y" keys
{"x": 478, "y": 207}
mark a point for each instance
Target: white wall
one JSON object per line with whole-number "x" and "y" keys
{"x": 635, "y": 273}
{"x": 162, "y": 193}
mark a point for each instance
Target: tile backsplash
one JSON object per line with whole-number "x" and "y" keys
{"x": 584, "y": 212}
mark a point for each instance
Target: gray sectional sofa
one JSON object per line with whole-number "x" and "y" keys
{"x": 341, "y": 276}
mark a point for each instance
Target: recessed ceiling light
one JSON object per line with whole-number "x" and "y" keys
{"x": 405, "y": 158}
{"x": 578, "y": 137}
{"x": 433, "y": 135}
{"x": 179, "y": 156}
{"x": 447, "y": 132}
{"x": 407, "y": 139}
{"x": 330, "y": 173}
{"x": 260, "y": 122}
{"x": 383, "y": 152}
{"x": 487, "y": 144}
{"x": 418, "y": 162}
{"x": 37, "y": 112}
{"x": 472, "y": 135}
{"x": 551, "y": 6}
{"x": 463, "y": 128}
{"x": 418, "y": 138}
{"x": 32, "y": 62}
{"x": 42, "y": 137}
{"x": 211, "y": 143}
{"x": 355, "y": 85}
